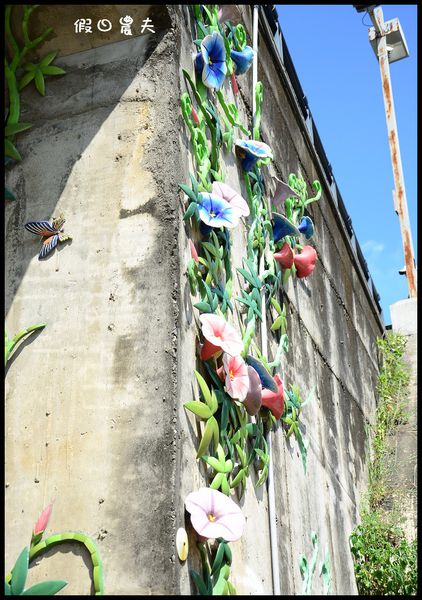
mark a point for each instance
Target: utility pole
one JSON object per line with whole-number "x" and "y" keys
{"x": 389, "y": 44}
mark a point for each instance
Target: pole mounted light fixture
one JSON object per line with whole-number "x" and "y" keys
{"x": 389, "y": 44}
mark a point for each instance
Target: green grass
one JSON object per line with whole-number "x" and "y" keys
{"x": 384, "y": 560}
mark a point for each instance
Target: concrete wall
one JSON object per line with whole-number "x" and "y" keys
{"x": 94, "y": 416}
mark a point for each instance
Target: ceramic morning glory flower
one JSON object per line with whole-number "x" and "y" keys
{"x": 242, "y": 60}
{"x": 285, "y": 256}
{"x": 250, "y": 151}
{"x": 282, "y": 191}
{"x": 305, "y": 262}
{"x": 236, "y": 201}
{"x": 214, "y": 515}
{"x": 283, "y": 227}
{"x": 306, "y": 227}
{"x": 237, "y": 377}
{"x": 274, "y": 400}
{"x": 216, "y": 212}
{"x": 219, "y": 336}
{"x": 211, "y": 60}
{"x": 253, "y": 399}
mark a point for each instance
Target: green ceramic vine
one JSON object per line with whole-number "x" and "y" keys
{"x": 16, "y": 579}
{"x": 307, "y": 568}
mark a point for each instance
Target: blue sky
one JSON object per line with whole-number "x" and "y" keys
{"x": 340, "y": 77}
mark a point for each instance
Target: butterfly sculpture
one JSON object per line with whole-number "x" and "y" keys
{"x": 52, "y": 233}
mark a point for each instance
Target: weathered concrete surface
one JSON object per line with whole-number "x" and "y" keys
{"x": 404, "y": 316}
{"x": 108, "y": 149}
{"x": 91, "y": 401}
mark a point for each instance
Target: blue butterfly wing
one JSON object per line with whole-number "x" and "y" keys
{"x": 48, "y": 245}
{"x": 40, "y": 228}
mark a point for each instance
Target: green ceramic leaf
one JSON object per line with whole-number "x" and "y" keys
{"x": 206, "y": 437}
{"x": 10, "y": 150}
{"x": 228, "y": 466}
{"x": 52, "y": 70}
{"x": 256, "y": 296}
{"x": 218, "y": 559}
{"x": 203, "y": 307}
{"x": 206, "y": 575}
{"x": 284, "y": 342}
{"x": 40, "y": 83}
{"x": 214, "y": 403}
{"x": 263, "y": 477}
{"x": 214, "y": 463}
{"x": 198, "y": 408}
{"x": 239, "y": 477}
{"x": 276, "y": 305}
{"x": 218, "y": 589}
{"x": 224, "y": 419}
{"x": 221, "y": 454}
{"x": 247, "y": 276}
{"x": 250, "y": 313}
{"x": 7, "y": 589}
{"x": 202, "y": 588}
{"x": 194, "y": 184}
{"x": 188, "y": 192}
{"x": 46, "y": 588}
{"x": 242, "y": 455}
{"x": 225, "y": 488}
{"x": 211, "y": 248}
{"x": 248, "y": 335}
{"x": 277, "y": 323}
{"x": 303, "y": 447}
{"x": 20, "y": 572}
{"x": 48, "y": 58}
{"x": 190, "y": 211}
{"x": 214, "y": 303}
{"x": 228, "y": 553}
{"x": 232, "y": 589}
{"x": 204, "y": 389}
{"x": 216, "y": 482}
{"x": 203, "y": 262}
{"x": 16, "y": 128}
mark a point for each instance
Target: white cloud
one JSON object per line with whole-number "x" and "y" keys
{"x": 372, "y": 248}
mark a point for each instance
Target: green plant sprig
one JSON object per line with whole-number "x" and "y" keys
{"x": 9, "y": 344}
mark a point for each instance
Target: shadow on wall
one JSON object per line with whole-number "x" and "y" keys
{"x": 64, "y": 123}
